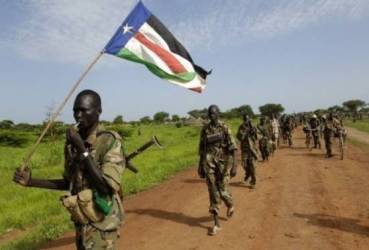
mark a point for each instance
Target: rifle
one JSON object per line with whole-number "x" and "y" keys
{"x": 129, "y": 165}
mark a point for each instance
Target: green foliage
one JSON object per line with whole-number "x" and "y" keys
{"x": 238, "y": 112}
{"x": 354, "y": 105}
{"x": 271, "y": 108}
{"x": 336, "y": 108}
{"x": 160, "y": 117}
{"x": 123, "y": 131}
{"x": 13, "y": 138}
{"x": 145, "y": 120}
{"x": 6, "y": 124}
{"x": 118, "y": 120}
{"x": 27, "y": 127}
{"x": 175, "y": 118}
{"x": 362, "y": 125}
{"x": 199, "y": 113}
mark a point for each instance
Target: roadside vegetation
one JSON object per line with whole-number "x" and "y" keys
{"x": 362, "y": 125}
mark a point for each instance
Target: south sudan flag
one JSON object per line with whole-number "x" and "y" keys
{"x": 142, "y": 38}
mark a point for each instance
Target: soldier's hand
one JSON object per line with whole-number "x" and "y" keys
{"x": 23, "y": 177}
{"x": 75, "y": 139}
{"x": 233, "y": 172}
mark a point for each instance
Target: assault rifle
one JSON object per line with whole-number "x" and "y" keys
{"x": 129, "y": 165}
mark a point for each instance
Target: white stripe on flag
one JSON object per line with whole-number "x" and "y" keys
{"x": 146, "y": 54}
{"x": 154, "y": 37}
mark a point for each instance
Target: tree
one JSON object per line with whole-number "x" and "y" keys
{"x": 161, "y": 116}
{"x": 353, "y": 106}
{"x": 145, "y": 120}
{"x": 271, "y": 108}
{"x": 175, "y": 118}
{"x": 118, "y": 119}
{"x": 336, "y": 108}
{"x": 6, "y": 124}
{"x": 198, "y": 113}
{"x": 238, "y": 112}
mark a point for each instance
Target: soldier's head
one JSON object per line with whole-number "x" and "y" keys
{"x": 87, "y": 109}
{"x": 213, "y": 113}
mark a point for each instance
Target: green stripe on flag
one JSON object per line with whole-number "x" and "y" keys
{"x": 182, "y": 77}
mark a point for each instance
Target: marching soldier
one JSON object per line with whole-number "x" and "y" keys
{"x": 248, "y": 146}
{"x": 331, "y": 126}
{"x": 216, "y": 148}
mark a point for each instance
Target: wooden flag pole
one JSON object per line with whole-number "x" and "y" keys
{"x": 55, "y": 115}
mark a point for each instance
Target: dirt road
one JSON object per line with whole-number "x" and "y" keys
{"x": 358, "y": 135}
{"x": 302, "y": 201}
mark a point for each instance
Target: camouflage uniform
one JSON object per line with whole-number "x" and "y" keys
{"x": 105, "y": 148}
{"x": 215, "y": 156}
{"x": 330, "y": 127}
{"x": 264, "y": 141}
{"x": 247, "y": 139}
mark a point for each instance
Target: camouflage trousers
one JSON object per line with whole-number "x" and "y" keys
{"x": 249, "y": 167}
{"x": 217, "y": 183}
{"x": 328, "y": 144}
{"x": 91, "y": 238}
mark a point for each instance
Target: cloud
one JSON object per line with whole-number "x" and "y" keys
{"x": 234, "y": 21}
{"x": 74, "y": 31}
{"x": 69, "y": 31}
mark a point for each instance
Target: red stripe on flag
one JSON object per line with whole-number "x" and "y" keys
{"x": 166, "y": 56}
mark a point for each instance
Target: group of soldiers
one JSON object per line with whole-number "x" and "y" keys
{"x": 217, "y": 151}
{"x": 325, "y": 126}
{"x": 94, "y": 163}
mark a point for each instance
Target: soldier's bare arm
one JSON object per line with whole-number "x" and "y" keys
{"x": 24, "y": 177}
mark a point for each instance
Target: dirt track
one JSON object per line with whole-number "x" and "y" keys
{"x": 302, "y": 201}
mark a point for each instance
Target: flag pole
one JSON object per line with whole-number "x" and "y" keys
{"x": 57, "y": 112}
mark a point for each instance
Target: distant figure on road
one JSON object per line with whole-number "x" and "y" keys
{"x": 331, "y": 127}
{"x": 276, "y": 129}
{"x": 216, "y": 148}
{"x": 315, "y": 130}
{"x": 265, "y": 133}
{"x": 245, "y": 135}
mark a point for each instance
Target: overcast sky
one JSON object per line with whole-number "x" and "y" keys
{"x": 302, "y": 54}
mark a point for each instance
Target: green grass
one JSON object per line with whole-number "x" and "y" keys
{"x": 362, "y": 125}
{"x": 39, "y": 213}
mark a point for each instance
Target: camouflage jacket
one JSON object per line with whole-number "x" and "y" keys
{"x": 246, "y": 136}
{"x": 216, "y": 141}
{"x": 265, "y": 130}
{"x": 331, "y": 126}
{"x": 105, "y": 149}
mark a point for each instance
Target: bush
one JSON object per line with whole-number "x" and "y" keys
{"x": 124, "y": 132}
{"x": 179, "y": 124}
{"x": 13, "y": 139}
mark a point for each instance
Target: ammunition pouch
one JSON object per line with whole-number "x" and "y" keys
{"x": 214, "y": 138}
{"x": 82, "y": 207}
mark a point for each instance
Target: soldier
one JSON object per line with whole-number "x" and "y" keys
{"x": 264, "y": 130}
{"x": 315, "y": 130}
{"x": 215, "y": 149}
{"x": 287, "y": 128}
{"x": 275, "y": 131}
{"x": 248, "y": 146}
{"x": 93, "y": 167}
{"x": 331, "y": 126}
